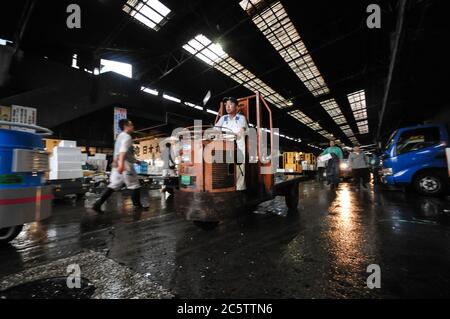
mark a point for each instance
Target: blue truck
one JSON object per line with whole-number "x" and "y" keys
{"x": 416, "y": 156}
{"x": 24, "y": 195}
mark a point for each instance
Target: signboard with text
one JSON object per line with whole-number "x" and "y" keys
{"x": 23, "y": 115}
{"x": 119, "y": 114}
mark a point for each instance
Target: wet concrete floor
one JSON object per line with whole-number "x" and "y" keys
{"x": 320, "y": 251}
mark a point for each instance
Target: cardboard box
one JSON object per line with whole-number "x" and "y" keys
{"x": 50, "y": 144}
{"x": 5, "y": 115}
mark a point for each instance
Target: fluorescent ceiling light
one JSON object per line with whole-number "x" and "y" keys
{"x": 198, "y": 107}
{"x": 122, "y": 68}
{"x": 4, "y": 41}
{"x": 211, "y": 111}
{"x": 279, "y": 30}
{"x": 149, "y": 91}
{"x": 151, "y": 13}
{"x": 171, "y": 98}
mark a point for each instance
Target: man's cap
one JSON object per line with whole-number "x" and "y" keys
{"x": 231, "y": 99}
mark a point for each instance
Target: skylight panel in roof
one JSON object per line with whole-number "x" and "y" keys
{"x": 357, "y": 102}
{"x": 247, "y": 4}
{"x": 122, "y": 68}
{"x": 339, "y": 120}
{"x": 216, "y": 57}
{"x": 363, "y": 127}
{"x": 279, "y": 30}
{"x": 151, "y": 13}
{"x": 213, "y": 54}
{"x": 334, "y": 111}
{"x": 300, "y": 116}
{"x": 315, "y": 126}
{"x": 360, "y": 115}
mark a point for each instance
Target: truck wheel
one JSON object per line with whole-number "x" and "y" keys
{"x": 429, "y": 183}
{"x": 291, "y": 197}
{"x": 9, "y": 233}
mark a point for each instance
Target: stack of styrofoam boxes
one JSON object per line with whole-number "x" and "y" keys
{"x": 66, "y": 161}
{"x": 305, "y": 165}
{"x": 99, "y": 161}
{"x": 84, "y": 159}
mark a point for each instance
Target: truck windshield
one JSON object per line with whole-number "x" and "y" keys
{"x": 417, "y": 139}
{"x": 391, "y": 140}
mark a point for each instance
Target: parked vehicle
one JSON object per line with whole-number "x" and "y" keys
{"x": 415, "y": 156}
{"x": 24, "y": 196}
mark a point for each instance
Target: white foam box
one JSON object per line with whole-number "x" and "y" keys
{"x": 65, "y": 158}
{"x": 69, "y": 154}
{"x": 69, "y": 174}
{"x": 64, "y": 166}
{"x": 66, "y": 143}
{"x": 100, "y": 156}
{"x": 66, "y": 150}
{"x": 73, "y": 158}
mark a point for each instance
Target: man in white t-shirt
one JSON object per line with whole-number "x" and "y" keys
{"x": 123, "y": 171}
{"x": 168, "y": 161}
{"x": 237, "y": 123}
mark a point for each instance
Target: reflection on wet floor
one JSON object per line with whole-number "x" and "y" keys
{"x": 321, "y": 250}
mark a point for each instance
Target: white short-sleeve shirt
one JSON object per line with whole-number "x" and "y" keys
{"x": 123, "y": 144}
{"x": 235, "y": 124}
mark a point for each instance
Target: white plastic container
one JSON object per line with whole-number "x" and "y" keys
{"x": 65, "y": 143}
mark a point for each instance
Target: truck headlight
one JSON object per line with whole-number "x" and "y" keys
{"x": 343, "y": 166}
{"x": 387, "y": 171}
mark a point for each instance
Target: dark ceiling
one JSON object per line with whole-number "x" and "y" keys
{"x": 349, "y": 55}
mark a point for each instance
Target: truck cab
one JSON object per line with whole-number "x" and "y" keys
{"x": 416, "y": 156}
